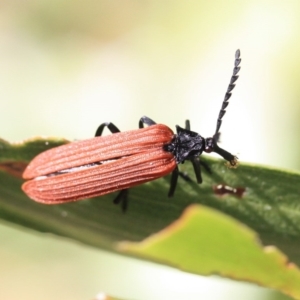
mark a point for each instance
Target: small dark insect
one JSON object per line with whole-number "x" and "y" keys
{"x": 223, "y": 189}
{"x": 103, "y": 165}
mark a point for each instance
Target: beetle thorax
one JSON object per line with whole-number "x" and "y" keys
{"x": 185, "y": 145}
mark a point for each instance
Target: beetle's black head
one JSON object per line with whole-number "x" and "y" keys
{"x": 185, "y": 145}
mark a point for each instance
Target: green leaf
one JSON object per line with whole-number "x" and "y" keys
{"x": 269, "y": 205}
{"x": 232, "y": 250}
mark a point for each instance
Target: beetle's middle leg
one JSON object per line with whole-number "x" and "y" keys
{"x": 122, "y": 196}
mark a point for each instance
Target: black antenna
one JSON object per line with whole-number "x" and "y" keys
{"x": 231, "y": 86}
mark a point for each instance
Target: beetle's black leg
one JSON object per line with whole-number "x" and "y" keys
{"x": 196, "y": 162}
{"x": 145, "y": 120}
{"x": 113, "y": 128}
{"x": 206, "y": 166}
{"x": 173, "y": 182}
{"x": 123, "y": 199}
{"x": 122, "y": 195}
{"x": 187, "y": 177}
{"x": 187, "y": 125}
{"x": 196, "y": 165}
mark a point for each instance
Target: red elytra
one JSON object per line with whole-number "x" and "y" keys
{"x": 127, "y": 159}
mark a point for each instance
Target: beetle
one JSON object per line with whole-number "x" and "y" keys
{"x": 117, "y": 162}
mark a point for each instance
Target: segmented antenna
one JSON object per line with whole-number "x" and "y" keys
{"x": 231, "y": 86}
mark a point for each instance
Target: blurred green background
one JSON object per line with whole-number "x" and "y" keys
{"x": 67, "y": 66}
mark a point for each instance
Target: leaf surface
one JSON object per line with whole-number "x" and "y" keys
{"x": 269, "y": 205}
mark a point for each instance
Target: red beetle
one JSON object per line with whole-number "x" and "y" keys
{"x": 116, "y": 162}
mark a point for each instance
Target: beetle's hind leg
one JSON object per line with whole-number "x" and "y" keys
{"x": 122, "y": 196}
{"x": 147, "y": 121}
